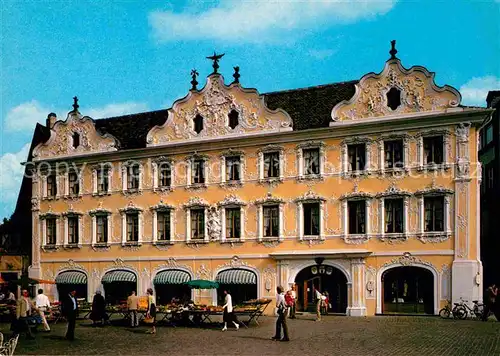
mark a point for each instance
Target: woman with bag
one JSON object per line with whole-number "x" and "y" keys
{"x": 151, "y": 313}
{"x": 229, "y": 316}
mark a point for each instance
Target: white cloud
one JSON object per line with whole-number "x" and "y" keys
{"x": 322, "y": 53}
{"x": 11, "y": 174}
{"x": 26, "y": 115}
{"x": 257, "y": 21}
{"x": 474, "y": 92}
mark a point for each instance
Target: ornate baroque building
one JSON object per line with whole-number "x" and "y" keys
{"x": 368, "y": 190}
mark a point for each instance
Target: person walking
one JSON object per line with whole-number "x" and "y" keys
{"x": 151, "y": 313}
{"x": 228, "y": 315}
{"x": 24, "y": 310}
{"x": 289, "y": 302}
{"x": 98, "y": 313}
{"x": 490, "y": 301}
{"x": 293, "y": 309}
{"x": 282, "y": 315}
{"x": 43, "y": 305}
{"x": 70, "y": 312}
{"x": 318, "y": 297}
{"x": 133, "y": 306}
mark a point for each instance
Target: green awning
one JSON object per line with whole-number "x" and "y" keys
{"x": 236, "y": 276}
{"x": 71, "y": 277}
{"x": 119, "y": 276}
{"x": 202, "y": 284}
{"x": 173, "y": 276}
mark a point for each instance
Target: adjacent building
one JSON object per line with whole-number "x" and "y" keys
{"x": 367, "y": 190}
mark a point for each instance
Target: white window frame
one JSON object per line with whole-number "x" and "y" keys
{"x": 446, "y": 149}
{"x": 95, "y": 179}
{"x": 281, "y": 220}
{"x": 43, "y": 228}
{"x": 406, "y": 217}
{"x": 223, "y": 158}
{"x": 79, "y": 216}
{"x": 300, "y": 159}
{"x": 188, "y": 224}
{"x": 140, "y": 229}
{"x": 79, "y": 174}
{"x": 156, "y": 174}
{"x": 45, "y": 186}
{"x": 345, "y": 155}
{"x": 171, "y": 211}
{"x": 271, "y": 149}
{"x": 300, "y": 219}
{"x": 446, "y": 217}
{"x": 93, "y": 215}
{"x": 223, "y": 222}
{"x": 125, "y": 177}
{"x": 406, "y": 152}
{"x": 356, "y": 238}
{"x": 190, "y": 160}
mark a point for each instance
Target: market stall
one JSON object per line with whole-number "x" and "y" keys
{"x": 253, "y": 309}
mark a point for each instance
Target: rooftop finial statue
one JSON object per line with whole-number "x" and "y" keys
{"x": 393, "y": 50}
{"x": 75, "y": 104}
{"x": 194, "y": 82}
{"x": 216, "y": 57}
{"x": 236, "y": 74}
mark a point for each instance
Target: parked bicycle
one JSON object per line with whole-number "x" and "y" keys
{"x": 446, "y": 312}
{"x": 462, "y": 309}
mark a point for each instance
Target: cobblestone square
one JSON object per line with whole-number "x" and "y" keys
{"x": 335, "y": 335}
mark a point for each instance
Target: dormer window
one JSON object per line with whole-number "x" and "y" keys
{"x": 76, "y": 140}
{"x": 233, "y": 119}
{"x": 198, "y": 123}
{"x": 394, "y": 98}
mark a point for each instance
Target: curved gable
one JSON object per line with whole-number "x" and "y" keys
{"x": 214, "y": 103}
{"x": 397, "y": 91}
{"x": 60, "y": 143}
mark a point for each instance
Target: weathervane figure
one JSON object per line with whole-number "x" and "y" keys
{"x": 236, "y": 74}
{"x": 75, "y": 104}
{"x": 216, "y": 57}
{"x": 194, "y": 82}
{"x": 393, "y": 50}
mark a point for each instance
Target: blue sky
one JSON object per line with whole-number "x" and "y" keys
{"x": 124, "y": 56}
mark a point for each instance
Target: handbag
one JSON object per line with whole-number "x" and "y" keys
{"x": 149, "y": 320}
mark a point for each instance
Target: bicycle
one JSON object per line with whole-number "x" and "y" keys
{"x": 446, "y": 311}
{"x": 462, "y": 309}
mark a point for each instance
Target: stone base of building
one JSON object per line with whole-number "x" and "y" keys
{"x": 467, "y": 280}
{"x": 356, "y": 311}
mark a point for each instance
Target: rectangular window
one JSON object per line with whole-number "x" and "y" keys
{"x": 73, "y": 230}
{"x": 232, "y": 168}
{"x": 393, "y": 216}
{"x": 233, "y": 227}
{"x": 433, "y": 150}
{"x": 164, "y": 175}
{"x": 132, "y": 227}
{"x": 489, "y": 134}
{"x": 357, "y": 216}
{"x": 163, "y": 225}
{"x": 102, "y": 229}
{"x": 50, "y": 226}
{"x": 133, "y": 172}
{"x": 197, "y": 224}
{"x": 51, "y": 186}
{"x": 74, "y": 184}
{"x": 357, "y": 157}
{"x": 271, "y": 165}
{"x": 271, "y": 221}
{"x": 394, "y": 157}
{"x": 434, "y": 214}
{"x": 311, "y": 219}
{"x": 198, "y": 172}
{"x": 102, "y": 180}
{"x": 311, "y": 161}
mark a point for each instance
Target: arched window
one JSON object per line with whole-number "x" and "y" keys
{"x": 198, "y": 123}
{"x": 76, "y": 139}
{"x": 233, "y": 119}
{"x": 394, "y": 98}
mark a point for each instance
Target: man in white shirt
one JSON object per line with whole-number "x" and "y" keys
{"x": 43, "y": 304}
{"x": 318, "y": 296}
{"x": 282, "y": 313}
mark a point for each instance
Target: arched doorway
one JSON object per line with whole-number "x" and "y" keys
{"x": 170, "y": 284}
{"x": 408, "y": 290}
{"x": 240, "y": 283}
{"x": 326, "y": 279}
{"x": 118, "y": 284}
{"x": 69, "y": 281}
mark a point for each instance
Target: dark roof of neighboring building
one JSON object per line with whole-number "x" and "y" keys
{"x": 492, "y": 94}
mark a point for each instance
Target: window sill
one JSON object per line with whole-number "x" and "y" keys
{"x": 72, "y": 196}
{"x": 434, "y": 236}
{"x": 231, "y": 241}
{"x": 394, "y": 171}
{"x": 132, "y": 191}
{"x": 50, "y": 198}
{"x": 163, "y": 189}
{"x": 312, "y": 237}
{"x": 162, "y": 242}
{"x": 232, "y": 183}
{"x": 309, "y": 177}
{"x": 197, "y": 186}
{"x": 271, "y": 180}
{"x": 131, "y": 243}
{"x": 50, "y": 248}
{"x": 101, "y": 246}
{"x": 354, "y": 174}
{"x": 72, "y": 246}
{"x": 356, "y": 239}
{"x": 392, "y": 237}
{"x": 100, "y": 194}
{"x": 197, "y": 241}
{"x": 434, "y": 167}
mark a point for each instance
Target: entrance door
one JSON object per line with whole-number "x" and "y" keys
{"x": 309, "y": 297}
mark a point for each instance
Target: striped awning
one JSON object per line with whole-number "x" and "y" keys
{"x": 173, "y": 276}
{"x": 71, "y": 277}
{"x": 119, "y": 276}
{"x": 236, "y": 276}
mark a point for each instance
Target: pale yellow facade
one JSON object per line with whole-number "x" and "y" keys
{"x": 451, "y": 255}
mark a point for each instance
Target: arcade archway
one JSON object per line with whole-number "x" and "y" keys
{"x": 326, "y": 279}
{"x": 408, "y": 290}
